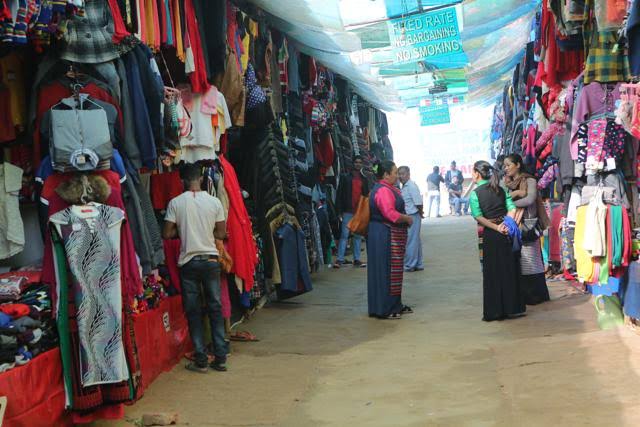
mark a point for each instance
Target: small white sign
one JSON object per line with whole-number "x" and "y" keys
{"x": 165, "y": 321}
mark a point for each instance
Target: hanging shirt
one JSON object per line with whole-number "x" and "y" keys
{"x": 11, "y": 227}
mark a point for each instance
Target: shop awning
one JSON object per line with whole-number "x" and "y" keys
{"x": 351, "y": 37}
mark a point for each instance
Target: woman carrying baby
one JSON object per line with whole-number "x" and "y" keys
{"x": 532, "y": 219}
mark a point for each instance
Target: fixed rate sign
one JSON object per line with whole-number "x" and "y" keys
{"x": 426, "y": 36}
{"x": 434, "y": 115}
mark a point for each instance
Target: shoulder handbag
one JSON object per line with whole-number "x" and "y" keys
{"x": 359, "y": 224}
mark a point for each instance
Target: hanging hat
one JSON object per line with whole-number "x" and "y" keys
{"x": 89, "y": 38}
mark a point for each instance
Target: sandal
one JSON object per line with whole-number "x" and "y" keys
{"x": 244, "y": 336}
{"x": 393, "y": 316}
{"x": 406, "y": 310}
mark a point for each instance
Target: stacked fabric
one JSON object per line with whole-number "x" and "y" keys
{"x": 26, "y": 329}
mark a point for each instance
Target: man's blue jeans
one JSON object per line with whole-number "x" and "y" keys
{"x": 344, "y": 237}
{"x": 458, "y": 203}
{"x": 205, "y": 273}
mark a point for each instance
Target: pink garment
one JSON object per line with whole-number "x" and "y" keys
{"x": 548, "y": 135}
{"x": 224, "y": 296}
{"x": 595, "y": 98}
{"x": 209, "y": 103}
{"x": 595, "y": 144}
{"x": 548, "y": 176}
{"x": 386, "y": 202}
{"x": 555, "y": 242}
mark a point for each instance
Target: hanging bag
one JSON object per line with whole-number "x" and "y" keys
{"x": 359, "y": 224}
{"x": 609, "y": 311}
{"x": 80, "y": 138}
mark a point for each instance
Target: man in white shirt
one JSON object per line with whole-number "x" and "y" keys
{"x": 413, "y": 207}
{"x": 199, "y": 219}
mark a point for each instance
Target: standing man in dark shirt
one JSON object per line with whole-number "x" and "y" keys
{"x": 351, "y": 187}
{"x": 433, "y": 190}
{"x": 452, "y": 173}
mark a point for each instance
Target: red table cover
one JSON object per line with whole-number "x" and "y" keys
{"x": 35, "y": 393}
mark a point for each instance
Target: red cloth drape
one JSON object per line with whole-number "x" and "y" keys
{"x": 118, "y": 23}
{"x": 36, "y": 393}
{"x": 241, "y": 245}
{"x": 199, "y": 83}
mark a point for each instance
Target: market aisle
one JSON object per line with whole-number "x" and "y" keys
{"x": 323, "y": 362}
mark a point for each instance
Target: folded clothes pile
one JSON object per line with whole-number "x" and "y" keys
{"x": 26, "y": 327}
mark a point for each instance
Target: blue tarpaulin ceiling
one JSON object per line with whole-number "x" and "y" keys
{"x": 351, "y": 37}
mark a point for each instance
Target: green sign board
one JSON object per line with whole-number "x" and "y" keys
{"x": 432, "y": 37}
{"x": 434, "y": 115}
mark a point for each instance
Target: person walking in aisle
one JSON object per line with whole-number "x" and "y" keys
{"x": 351, "y": 187}
{"x": 490, "y": 204}
{"x": 386, "y": 244}
{"x": 413, "y": 207}
{"x": 433, "y": 187}
{"x": 456, "y": 199}
{"x": 532, "y": 218}
{"x": 198, "y": 219}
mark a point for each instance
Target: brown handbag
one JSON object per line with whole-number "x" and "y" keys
{"x": 226, "y": 262}
{"x": 359, "y": 224}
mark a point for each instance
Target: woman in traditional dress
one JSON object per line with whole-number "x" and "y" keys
{"x": 490, "y": 204}
{"x": 532, "y": 217}
{"x": 386, "y": 244}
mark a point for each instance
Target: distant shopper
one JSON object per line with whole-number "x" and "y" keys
{"x": 453, "y": 172}
{"x": 352, "y": 186}
{"x": 456, "y": 199}
{"x": 413, "y": 207}
{"x": 524, "y": 192}
{"x": 199, "y": 219}
{"x": 386, "y": 245}
{"x": 433, "y": 190}
{"x": 490, "y": 204}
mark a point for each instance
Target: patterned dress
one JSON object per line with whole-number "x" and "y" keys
{"x": 91, "y": 236}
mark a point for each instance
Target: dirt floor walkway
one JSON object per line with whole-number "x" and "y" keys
{"x": 322, "y": 362}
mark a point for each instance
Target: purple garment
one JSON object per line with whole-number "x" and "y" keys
{"x": 592, "y": 100}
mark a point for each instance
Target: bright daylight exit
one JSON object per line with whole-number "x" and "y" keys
{"x": 337, "y": 213}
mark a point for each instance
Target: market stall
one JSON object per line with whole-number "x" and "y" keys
{"x": 569, "y": 110}
{"x": 102, "y": 103}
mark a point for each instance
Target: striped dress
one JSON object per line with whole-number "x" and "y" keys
{"x": 386, "y": 243}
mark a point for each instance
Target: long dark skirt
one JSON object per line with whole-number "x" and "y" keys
{"x": 534, "y": 288}
{"x": 384, "y": 271}
{"x": 500, "y": 277}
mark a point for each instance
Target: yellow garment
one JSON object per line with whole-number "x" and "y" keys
{"x": 221, "y": 123}
{"x": 285, "y": 130}
{"x": 12, "y": 77}
{"x": 244, "y": 59}
{"x": 150, "y": 22}
{"x": 177, "y": 31}
{"x": 584, "y": 261}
